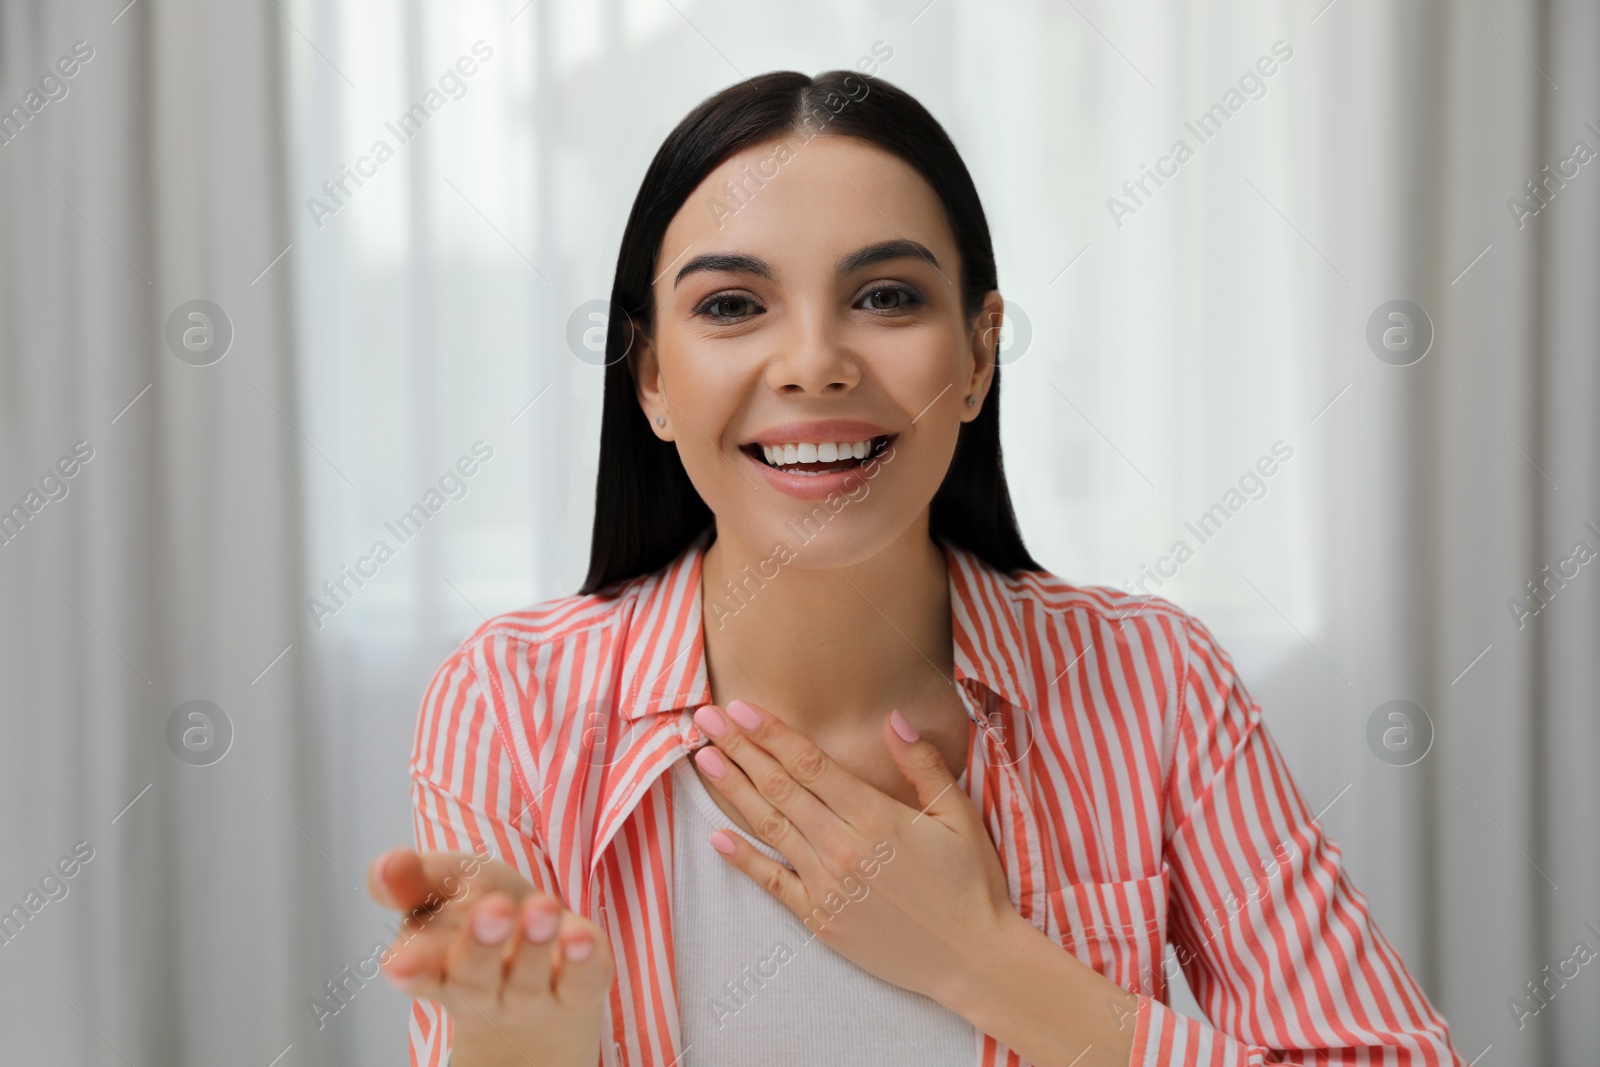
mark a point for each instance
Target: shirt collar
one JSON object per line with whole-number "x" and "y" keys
{"x": 665, "y": 666}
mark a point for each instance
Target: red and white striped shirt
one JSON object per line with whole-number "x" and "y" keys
{"x": 1122, "y": 769}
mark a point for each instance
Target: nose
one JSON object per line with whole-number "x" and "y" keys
{"x": 811, "y": 360}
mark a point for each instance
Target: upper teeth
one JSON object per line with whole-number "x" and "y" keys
{"x": 807, "y": 452}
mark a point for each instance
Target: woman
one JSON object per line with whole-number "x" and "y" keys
{"x": 992, "y": 796}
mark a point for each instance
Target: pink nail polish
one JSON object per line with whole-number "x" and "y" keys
{"x": 490, "y": 927}
{"x": 722, "y": 842}
{"x": 743, "y": 714}
{"x": 385, "y": 864}
{"x": 540, "y": 926}
{"x": 401, "y": 982}
{"x": 901, "y": 726}
{"x": 578, "y": 951}
{"x": 711, "y": 761}
{"x": 710, "y": 720}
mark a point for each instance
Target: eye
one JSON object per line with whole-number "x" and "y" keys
{"x": 728, "y": 307}
{"x": 889, "y": 298}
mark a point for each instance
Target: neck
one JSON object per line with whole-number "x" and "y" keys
{"x": 827, "y": 650}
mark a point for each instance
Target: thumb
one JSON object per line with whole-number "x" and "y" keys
{"x": 920, "y": 762}
{"x": 395, "y": 879}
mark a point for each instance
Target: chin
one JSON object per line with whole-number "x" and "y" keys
{"x": 806, "y": 541}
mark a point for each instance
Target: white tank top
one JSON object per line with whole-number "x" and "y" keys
{"x": 754, "y": 986}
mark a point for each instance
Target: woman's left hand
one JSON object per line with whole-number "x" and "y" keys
{"x": 913, "y": 896}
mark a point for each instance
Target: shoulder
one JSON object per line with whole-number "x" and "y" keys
{"x": 1140, "y": 661}
{"x": 546, "y": 632}
{"x": 1155, "y": 640}
{"x": 1043, "y": 599}
{"x": 1056, "y": 596}
{"x": 1143, "y": 639}
{"x": 516, "y": 678}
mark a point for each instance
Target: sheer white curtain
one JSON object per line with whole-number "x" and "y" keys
{"x": 1196, "y": 370}
{"x": 400, "y": 373}
{"x": 160, "y": 876}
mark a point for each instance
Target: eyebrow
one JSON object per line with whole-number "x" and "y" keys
{"x": 884, "y": 251}
{"x": 740, "y": 263}
{"x": 731, "y": 262}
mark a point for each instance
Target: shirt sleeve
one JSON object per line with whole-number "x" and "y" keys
{"x": 468, "y": 795}
{"x": 1275, "y": 942}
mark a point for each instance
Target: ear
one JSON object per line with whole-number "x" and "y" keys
{"x": 645, "y": 367}
{"x": 985, "y": 344}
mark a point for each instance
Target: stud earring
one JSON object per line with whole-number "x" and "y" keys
{"x": 971, "y": 400}
{"x": 661, "y": 420}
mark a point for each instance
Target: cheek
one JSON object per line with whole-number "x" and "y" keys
{"x": 921, "y": 377}
{"x": 924, "y": 379}
{"x": 705, "y": 393}
{"x": 914, "y": 364}
{"x": 921, "y": 460}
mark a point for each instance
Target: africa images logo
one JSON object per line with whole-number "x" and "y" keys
{"x": 1252, "y": 85}
{"x": 452, "y": 86}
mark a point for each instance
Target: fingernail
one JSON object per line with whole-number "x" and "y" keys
{"x": 743, "y": 714}
{"x": 709, "y": 719}
{"x": 384, "y": 863}
{"x": 490, "y": 927}
{"x": 711, "y": 761}
{"x": 578, "y": 951}
{"x": 401, "y": 981}
{"x": 901, "y": 726}
{"x": 540, "y": 926}
{"x": 722, "y": 842}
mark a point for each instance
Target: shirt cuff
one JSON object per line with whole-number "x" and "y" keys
{"x": 1162, "y": 1036}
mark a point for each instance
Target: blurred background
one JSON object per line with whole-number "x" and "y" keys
{"x": 228, "y": 367}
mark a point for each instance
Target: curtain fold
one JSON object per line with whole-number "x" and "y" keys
{"x": 1459, "y": 480}
{"x": 151, "y": 177}
{"x": 1422, "y": 545}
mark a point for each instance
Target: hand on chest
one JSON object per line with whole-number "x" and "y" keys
{"x": 862, "y": 753}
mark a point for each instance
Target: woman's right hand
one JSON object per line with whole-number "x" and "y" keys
{"x": 522, "y": 977}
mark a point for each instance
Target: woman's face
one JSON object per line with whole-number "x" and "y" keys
{"x": 809, "y": 353}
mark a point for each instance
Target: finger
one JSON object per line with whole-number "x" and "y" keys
{"x": 415, "y": 976}
{"x": 391, "y": 878}
{"x": 475, "y": 963}
{"x": 768, "y": 821}
{"x": 539, "y": 918}
{"x": 803, "y": 758}
{"x": 415, "y": 962}
{"x": 774, "y": 785}
{"x": 923, "y": 766}
{"x": 404, "y": 878}
{"x": 585, "y": 969}
{"x": 779, "y": 881}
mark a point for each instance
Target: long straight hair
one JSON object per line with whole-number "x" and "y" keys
{"x": 646, "y": 508}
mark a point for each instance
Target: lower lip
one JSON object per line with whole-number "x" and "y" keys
{"x": 810, "y": 486}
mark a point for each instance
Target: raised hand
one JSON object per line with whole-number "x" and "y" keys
{"x": 524, "y": 979}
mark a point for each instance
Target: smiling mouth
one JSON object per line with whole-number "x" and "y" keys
{"x": 813, "y": 458}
